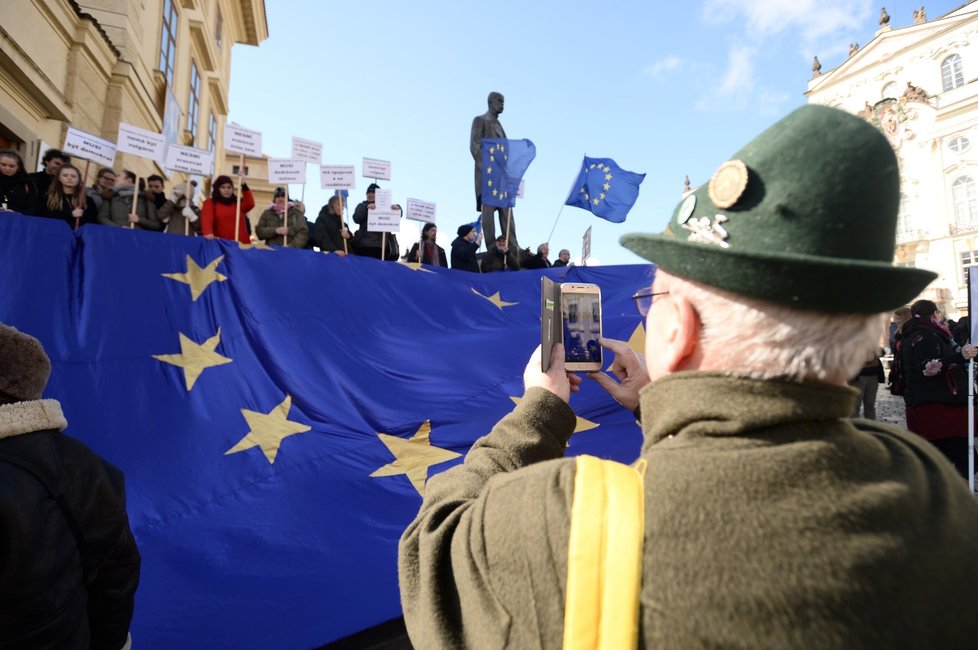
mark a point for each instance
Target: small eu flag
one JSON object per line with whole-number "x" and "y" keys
{"x": 605, "y": 189}
{"x": 503, "y": 164}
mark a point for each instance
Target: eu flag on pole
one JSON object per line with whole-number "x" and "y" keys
{"x": 605, "y": 189}
{"x": 503, "y": 164}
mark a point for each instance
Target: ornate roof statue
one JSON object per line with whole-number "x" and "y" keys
{"x": 919, "y": 16}
{"x": 884, "y": 17}
{"x": 914, "y": 93}
{"x": 867, "y": 112}
{"x": 686, "y": 185}
{"x": 853, "y": 48}
{"x": 816, "y": 67}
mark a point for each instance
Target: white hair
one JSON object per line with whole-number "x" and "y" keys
{"x": 760, "y": 339}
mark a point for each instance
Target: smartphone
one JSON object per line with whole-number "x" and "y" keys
{"x": 580, "y": 321}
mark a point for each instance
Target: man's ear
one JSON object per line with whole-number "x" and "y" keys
{"x": 682, "y": 334}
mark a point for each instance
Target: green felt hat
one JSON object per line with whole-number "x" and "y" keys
{"x": 804, "y": 215}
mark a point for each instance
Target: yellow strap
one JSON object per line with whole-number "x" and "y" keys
{"x": 604, "y": 557}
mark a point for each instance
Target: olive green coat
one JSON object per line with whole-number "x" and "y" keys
{"x": 771, "y": 522}
{"x": 298, "y": 228}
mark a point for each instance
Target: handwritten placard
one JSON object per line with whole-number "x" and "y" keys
{"x": 140, "y": 142}
{"x": 381, "y": 218}
{"x": 189, "y": 160}
{"x": 419, "y": 210}
{"x": 307, "y": 150}
{"x": 89, "y": 147}
{"x": 376, "y": 169}
{"x": 286, "y": 170}
{"x": 337, "y": 177}
{"x": 238, "y": 139}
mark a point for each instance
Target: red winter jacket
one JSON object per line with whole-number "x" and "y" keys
{"x": 218, "y": 218}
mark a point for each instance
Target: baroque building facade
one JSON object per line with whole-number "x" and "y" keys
{"x": 919, "y": 85}
{"x": 162, "y": 65}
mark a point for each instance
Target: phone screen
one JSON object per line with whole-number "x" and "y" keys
{"x": 581, "y": 322}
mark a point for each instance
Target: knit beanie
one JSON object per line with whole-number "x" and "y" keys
{"x": 24, "y": 367}
{"x": 464, "y": 230}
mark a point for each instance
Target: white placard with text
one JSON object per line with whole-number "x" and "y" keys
{"x": 376, "y": 169}
{"x": 337, "y": 177}
{"x": 419, "y": 210}
{"x": 189, "y": 160}
{"x": 307, "y": 150}
{"x": 89, "y": 147}
{"x": 381, "y": 218}
{"x": 238, "y": 139}
{"x": 140, "y": 142}
{"x": 286, "y": 170}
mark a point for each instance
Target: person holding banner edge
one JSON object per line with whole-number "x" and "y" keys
{"x": 432, "y": 253}
{"x": 283, "y": 219}
{"x": 329, "y": 231}
{"x": 366, "y": 242}
{"x": 219, "y": 213}
{"x": 66, "y": 199}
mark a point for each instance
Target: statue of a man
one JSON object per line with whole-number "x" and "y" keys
{"x": 487, "y": 126}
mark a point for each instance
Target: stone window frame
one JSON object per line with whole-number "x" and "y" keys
{"x": 168, "y": 40}
{"x": 193, "y": 103}
{"x": 952, "y": 73}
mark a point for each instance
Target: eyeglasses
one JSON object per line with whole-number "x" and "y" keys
{"x": 643, "y": 299}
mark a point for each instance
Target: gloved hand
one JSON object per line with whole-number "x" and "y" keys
{"x": 189, "y": 213}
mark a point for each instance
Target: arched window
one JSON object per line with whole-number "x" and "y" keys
{"x": 890, "y": 90}
{"x": 904, "y": 229}
{"x": 965, "y": 202}
{"x": 951, "y": 73}
{"x": 959, "y": 144}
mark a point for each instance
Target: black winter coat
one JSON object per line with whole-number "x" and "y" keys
{"x": 441, "y": 261}
{"x": 922, "y": 341}
{"x": 463, "y": 255}
{"x": 19, "y": 193}
{"x": 67, "y": 207}
{"x": 70, "y": 566}
{"x": 326, "y": 232}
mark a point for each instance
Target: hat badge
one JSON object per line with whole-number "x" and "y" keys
{"x": 728, "y": 184}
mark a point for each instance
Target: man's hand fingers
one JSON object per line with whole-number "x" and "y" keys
{"x": 614, "y": 345}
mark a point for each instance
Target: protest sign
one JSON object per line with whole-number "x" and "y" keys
{"x": 376, "y": 169}
{"x": 189, "y": 160}
{"x": 89, "y": 147}
{"x": 140, "y": 142}
{"x": 381, "y": 218}
{"x": 307, "y": 150}
{"x": 586, "y": 253}
{"x": 286, "y": 170}
{"x": 337, "y": 177}
{"x": 240, "y": 140}
{"x": 419, "y": 210}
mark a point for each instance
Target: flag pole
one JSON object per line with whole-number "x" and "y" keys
{"x": 509, "y": 221}
{"x": 569, "y": 192}
{"x": 555, "y": 222}
{"x": 135, "y": 197}
{"x": 346, "y": 250}
{"x": 285, "y": 218}
{"x": 237, "y": 209}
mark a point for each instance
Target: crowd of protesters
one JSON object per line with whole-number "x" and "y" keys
{"x": 114, "y": 199}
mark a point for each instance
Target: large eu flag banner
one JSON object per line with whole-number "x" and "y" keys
{"x": 277, "y": 412}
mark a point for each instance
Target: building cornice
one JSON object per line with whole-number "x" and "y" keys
{"x": 98, "y": 27}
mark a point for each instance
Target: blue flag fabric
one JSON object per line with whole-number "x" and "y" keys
{"x": 259, "y": 426}
{"x": 605, "y": 189}
{"x": 503, "y": 164}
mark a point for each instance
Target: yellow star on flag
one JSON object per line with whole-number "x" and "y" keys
{"x": 198, "y": 278}
{"x": 607, "y": 177}
{"x": 582, "y": 189}
{"x": 592, "y": 166}
{"x": 492, "y": 158}
{"x": 488, "y": 170}
{"x": 601, "y": 196}
{"x": 496, "y": 300}
{"x": 258, "y": 245}
{"x": 636, "y": 341}
{"x": 195, "y": 358}
{"x": 607, "y": 169}
{"x": 607, "y": 186}
{"x": 495, "y": 193}
{"x": 268, "y": 430}
{"x": 596, "y": 201}
{"x": 492, "y": 150}
{"x": 582, "y": 424}
{"x": 413, "y": 456}
{"x": 415, "y": 266}
{"x": 489, "y": 182}
{"x": 502, "y": 148}
{"x": 586, "y": 196}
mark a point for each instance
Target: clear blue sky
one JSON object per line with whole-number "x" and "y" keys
{"x": 664, "y": 88}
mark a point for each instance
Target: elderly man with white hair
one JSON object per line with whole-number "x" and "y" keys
{"x": 758, "y": 514}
